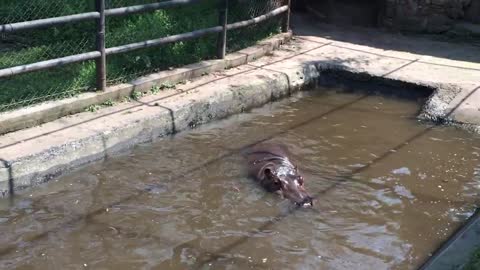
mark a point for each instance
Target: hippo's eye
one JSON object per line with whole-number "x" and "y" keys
{"x": 276, "y": 185}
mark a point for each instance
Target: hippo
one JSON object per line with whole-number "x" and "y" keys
{"x": 269, "y": 165}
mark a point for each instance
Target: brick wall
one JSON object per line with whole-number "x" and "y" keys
{"x": 434, "y": 16}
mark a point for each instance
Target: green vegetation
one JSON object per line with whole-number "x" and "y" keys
{"x": 92, "y": 108}
{"x": 40, "y": 45}
{"x": 136, "y": 95}
{"x": 157, "y": 88}
{"x": 474, "y": 263}
{"x": 108, "y": 103}
{"x": 96, "y": 107}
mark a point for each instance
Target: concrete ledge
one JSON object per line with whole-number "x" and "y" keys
{"x": 49, "y": 111}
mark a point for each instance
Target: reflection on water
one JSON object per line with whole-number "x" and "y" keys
{"x": 185, "y": 202}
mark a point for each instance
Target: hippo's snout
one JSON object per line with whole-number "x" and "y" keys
{"x": 307, "y": 202}
{"x": 296, "y": 193}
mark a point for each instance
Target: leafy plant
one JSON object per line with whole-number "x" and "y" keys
{"x": 136, "y": 95}
{"x": 92, "y": 108}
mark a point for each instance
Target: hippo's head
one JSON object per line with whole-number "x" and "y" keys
{"x": 289, "y": 184}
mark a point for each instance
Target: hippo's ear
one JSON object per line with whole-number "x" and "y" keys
{"x": 270, "y": 176}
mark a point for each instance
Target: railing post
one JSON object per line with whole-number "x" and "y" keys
{"x": 286, "y": 17}
{"x": 222, "y": 36}
{"x": 101, "y": 62}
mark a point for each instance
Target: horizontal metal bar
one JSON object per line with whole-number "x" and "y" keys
{"x": 48, "y": 64}
{"x": 192, "y": 35}
{"x": 35, "y": 24}
{"x": 123, "y": 11}
{"x": 162, "y": 41}
{"x": 11, "y": 27}
{"x": 258, "y": 19}
{"x": 148, "y": 7}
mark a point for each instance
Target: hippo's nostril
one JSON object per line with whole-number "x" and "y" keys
{"x": 308, "y": 202}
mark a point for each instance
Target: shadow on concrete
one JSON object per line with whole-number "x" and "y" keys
{"x": 335, "y": 75}
{"x": 304, "y": 24}
{"x": 173, "y": 127}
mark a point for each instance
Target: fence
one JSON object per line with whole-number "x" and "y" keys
{"x": 88, "y": 44}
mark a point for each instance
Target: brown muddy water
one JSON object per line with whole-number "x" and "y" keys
{"x": 389, "y": 190}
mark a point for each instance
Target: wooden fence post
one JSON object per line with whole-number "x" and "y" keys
{"x": 222, "y": 36}
{"x": 101, "y": 62}
{"x": 286, "y": 18}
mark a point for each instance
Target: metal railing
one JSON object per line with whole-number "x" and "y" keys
{"x": 101, "y": 52}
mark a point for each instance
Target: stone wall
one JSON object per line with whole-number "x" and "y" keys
{"x": 432, "y": 16}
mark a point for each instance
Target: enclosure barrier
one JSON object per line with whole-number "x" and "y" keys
{"x": 100, "y": 54}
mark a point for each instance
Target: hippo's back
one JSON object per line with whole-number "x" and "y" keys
{"x": 266, "y": 150}
{"x": 260, "y": 154}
